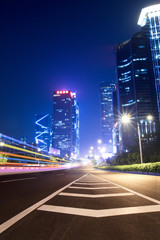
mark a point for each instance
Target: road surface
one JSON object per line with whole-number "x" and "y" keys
{"x": 80, "y": 203}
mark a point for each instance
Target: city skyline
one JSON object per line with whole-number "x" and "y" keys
{"x": 35, "y": 61}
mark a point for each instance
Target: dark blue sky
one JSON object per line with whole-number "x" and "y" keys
{"x": 52, "y": 45}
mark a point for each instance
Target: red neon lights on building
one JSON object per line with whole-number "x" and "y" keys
{"x": 62, "y": 92}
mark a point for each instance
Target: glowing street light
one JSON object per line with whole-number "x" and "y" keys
{"x": 1, "y": 144}
{"x": 150, "y": 117}
{"x": 99, "y": 141}
{"x": 125, "y": 118}
{"x": 91, "y": 147}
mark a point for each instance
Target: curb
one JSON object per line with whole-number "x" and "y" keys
{"x": 132, "y": 172}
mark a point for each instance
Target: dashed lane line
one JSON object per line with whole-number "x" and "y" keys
{"x": 4, "y": 226}
{"x": 100, "y": 213}
{"x": 95, "y": 195}
{"x": 18, "y": 179}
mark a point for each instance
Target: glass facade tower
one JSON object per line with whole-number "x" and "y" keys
{"x": 106, "y": 101}
{"x": 150, "y": 19}
{"x": 66, "y": 123}
{"x": 136, "y": 90}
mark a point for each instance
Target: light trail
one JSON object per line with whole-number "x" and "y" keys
{"x": 26, "y": 157}
{"x": 23, "y": 150}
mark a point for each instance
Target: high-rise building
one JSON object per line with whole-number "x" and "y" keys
{"x": 66, "y": 123}
{"x": 43, "y": 131}
{"x": 106, "y": 101}
{"x": 116, "y": 127}
{"x": 150, "y": 20}
{"x": 136, "y": 90}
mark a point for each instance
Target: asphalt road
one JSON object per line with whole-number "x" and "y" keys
{"x": 80, "y": 203}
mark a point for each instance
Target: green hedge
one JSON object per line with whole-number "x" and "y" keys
{"x": 145, "y": 167}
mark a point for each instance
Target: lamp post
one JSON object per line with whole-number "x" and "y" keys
{"x": 140, "y": 143}
{"x": 126, "y": 119}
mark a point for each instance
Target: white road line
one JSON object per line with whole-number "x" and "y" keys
{"x": 93, "y": 180}
{"x": 101, "y": 213}
{"x": 4, "y": 226}
{"x": 90, "y": 183}
{"x": 95, "y": 195}
{"x": 93, "y": 188}
{"x": 136, "y": 193}
{"x": 15, "y": 180}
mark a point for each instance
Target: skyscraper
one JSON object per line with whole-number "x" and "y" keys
{"x": 43, "y": 131}
{"x": 150, "y": 20}
{"x": 66, "y": 123}
{"x": 136, "y": 87}
{"x": 106, "y": 102}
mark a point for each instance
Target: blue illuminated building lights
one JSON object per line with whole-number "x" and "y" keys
{"x": 106, "y": 107}
{"x": 149, "y": 20}
{"x": 136, "y": 91}
{"x": 43, "y": 132}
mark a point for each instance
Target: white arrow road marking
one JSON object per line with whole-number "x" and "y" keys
{"x": 100, "y": 213}
{"x": 95, "y": 195}
{"x": 93, "y": 188}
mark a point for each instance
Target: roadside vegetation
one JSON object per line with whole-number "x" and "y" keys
{"x": 145, "y": 167}
{"x": 131, "y": 161}
{"x": 3, "y": 159}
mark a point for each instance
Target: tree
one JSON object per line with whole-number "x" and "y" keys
{"x": 3, "y": 159}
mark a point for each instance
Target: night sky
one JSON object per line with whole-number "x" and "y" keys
{"x": 59, "y": 45}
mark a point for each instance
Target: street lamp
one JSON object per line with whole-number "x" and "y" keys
{"x": 150, "y": 117}
{"x": 126, "y": 119}
{"x": 99, "y": 141}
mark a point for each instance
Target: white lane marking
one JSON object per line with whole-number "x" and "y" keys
{"x": 100, "y": 213}
{"x": 93, "y": 180}
{"x": 4, "y": 226}
{"x": 95, "y": 195}
{"x": 131, "y": 191}
{"x": 18, "y": 179}
{"x": 93, "y": 188}
{"x": 90, "y": 183}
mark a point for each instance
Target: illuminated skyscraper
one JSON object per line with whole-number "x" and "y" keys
{"x": 136, "y": 87}
{"x": 150, "y": 20}
{"x": 43, "y": 131}
{"x": 66, "y": 123}
{"x": 106, "y": 101}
